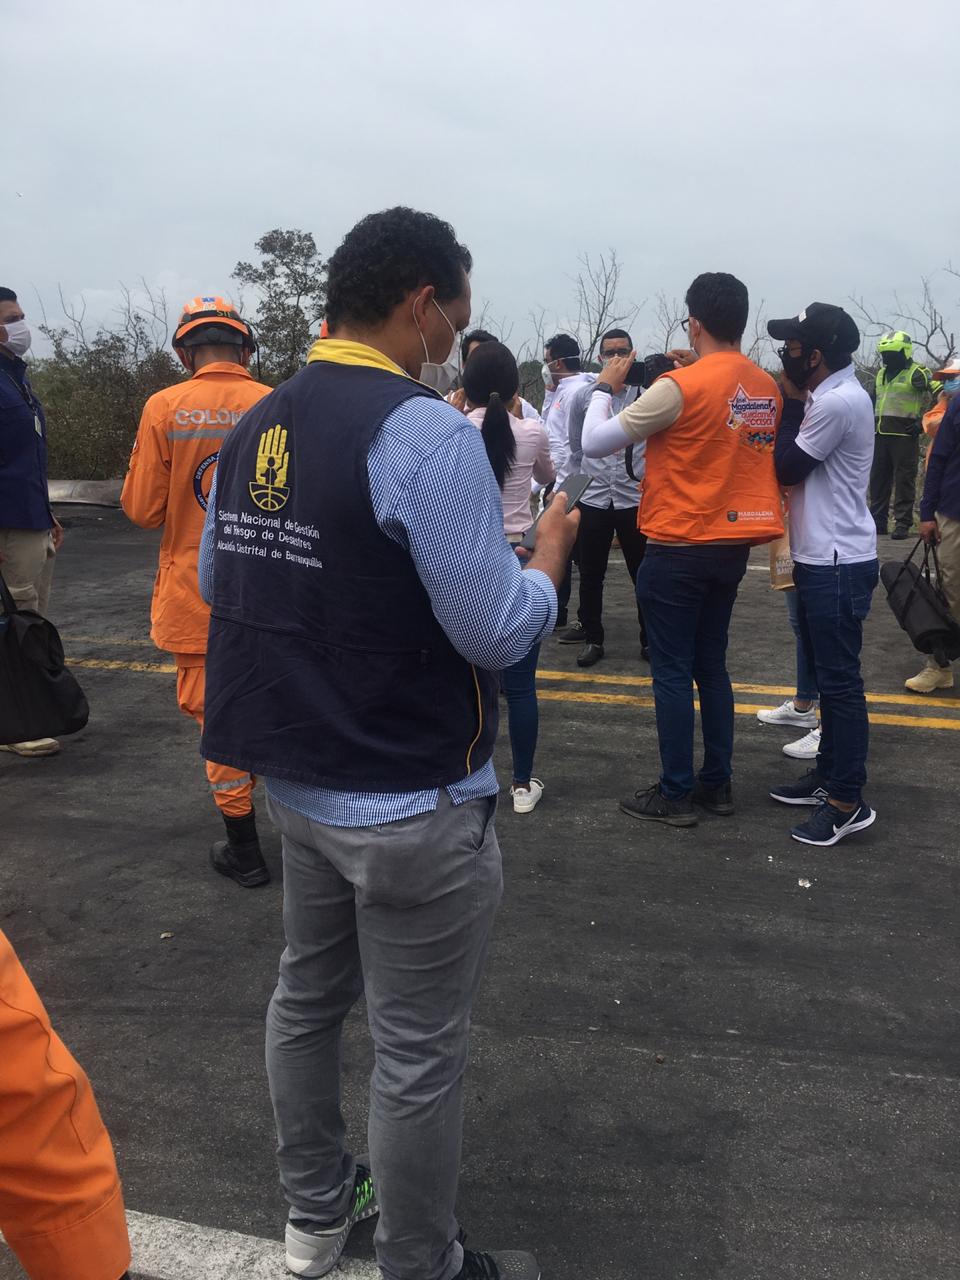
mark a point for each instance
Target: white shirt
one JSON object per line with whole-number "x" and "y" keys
{"x": 557, "y": 421}
{"x": 830, "y": 522}
{"x": 612, "y": 486}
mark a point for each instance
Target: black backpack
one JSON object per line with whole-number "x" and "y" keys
{"x": 39, "y": 698}
{"x": 919, "y": 605}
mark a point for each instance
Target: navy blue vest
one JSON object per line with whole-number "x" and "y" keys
{"x": 325, "y": 663}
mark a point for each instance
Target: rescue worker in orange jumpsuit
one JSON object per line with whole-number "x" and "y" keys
{"x": 171, "y": 471}
{"x": 61, "y": 1208}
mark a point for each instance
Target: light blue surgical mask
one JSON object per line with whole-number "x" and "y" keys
{"x": 951, "y": 385}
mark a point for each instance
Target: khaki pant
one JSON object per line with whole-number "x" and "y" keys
{"x": 948, "y": 553}
{"x": 27, "y": 566}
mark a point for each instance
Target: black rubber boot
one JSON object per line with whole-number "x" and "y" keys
{"x": 239, "y": 856}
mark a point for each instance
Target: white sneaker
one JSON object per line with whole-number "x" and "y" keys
{"x": 38, "y": 747}
{"x": 787, "y": 713}
{"x": 930, "y": 678}
{"x": 805, "y": 748}
{"x": 526, "y": 799}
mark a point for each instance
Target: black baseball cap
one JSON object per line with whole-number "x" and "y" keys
{"x": 822, "y": 326}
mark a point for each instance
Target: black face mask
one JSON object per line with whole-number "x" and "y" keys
{"x": 796, "y": 367}
{"x": 893, "y": 361}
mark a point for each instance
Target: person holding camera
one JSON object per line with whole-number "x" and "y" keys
{"x": 904, "y": 391}
{"x": 709, "y": 494}
{"x": 608, "y": 509}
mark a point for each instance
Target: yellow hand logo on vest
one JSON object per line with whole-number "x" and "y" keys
{"x": 270, "y": 491}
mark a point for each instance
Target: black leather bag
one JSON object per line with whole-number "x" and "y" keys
{"x": 39, "y": 698}
{"x": 919, "y": 605}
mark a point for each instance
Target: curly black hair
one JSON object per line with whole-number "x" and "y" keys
{"x": 387, "y": 256}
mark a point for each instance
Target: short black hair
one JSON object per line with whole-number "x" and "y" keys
{"x": 721, "y": 303}
{"x": 562, "y": 347}
{"x": 475, "y": 335}
{"x": 7, "y": 295}
{"x": 387, "y": 256}
{"x": 616, "y": 333}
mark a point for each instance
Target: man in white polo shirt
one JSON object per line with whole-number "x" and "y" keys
{"x": 823, "y": 454}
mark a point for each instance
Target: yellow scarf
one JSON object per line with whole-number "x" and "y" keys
{"x": 357, "y": 353}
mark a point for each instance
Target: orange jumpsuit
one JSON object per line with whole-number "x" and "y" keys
{"x": 171, "y": 470}
{"x": 61, "y": 1208}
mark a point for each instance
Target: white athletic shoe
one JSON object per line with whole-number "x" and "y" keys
{"x": 930, "y": 678}
{"x": 805, "y": 748}
{"x": 787, "y": 713}
{"x": 526, "y": 799}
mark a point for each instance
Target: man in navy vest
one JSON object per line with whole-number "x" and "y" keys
{"x": 30, "y": 534}
{"x": 363, "y": 599}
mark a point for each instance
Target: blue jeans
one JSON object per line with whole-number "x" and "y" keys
{"x": 833, "y": 601}
{"x": 519, "y": 683}
{"x": 807, "y": 690}
{"x": 686, "y": 595}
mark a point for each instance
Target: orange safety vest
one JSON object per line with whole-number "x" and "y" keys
{"x": 171, "y": 470}
{"x": 710, "y": 476}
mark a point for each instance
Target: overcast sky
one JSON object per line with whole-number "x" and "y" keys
{"x": 794, "y": 144}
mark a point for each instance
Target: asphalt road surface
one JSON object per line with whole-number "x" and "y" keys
{"x": 697, "y": 1053}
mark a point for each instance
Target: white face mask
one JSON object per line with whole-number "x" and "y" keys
{"x": 440, "y": 377}
{"x": 547, "y": 377}
{"x": 19, "y": 337}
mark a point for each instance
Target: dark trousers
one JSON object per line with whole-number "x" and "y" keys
{"x": 687, "y": 596}
{"x": 832, "y": 602}
{"x": 894, "y": 470}
{"x": 519, "y": 684}
{"x": 597, "y": 528}
{"x": 566, "y": 586}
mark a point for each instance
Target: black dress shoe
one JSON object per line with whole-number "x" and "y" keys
{"x": 900, "y": 535}
{"x": 717, "y": 800}
{"x": 589, "y": 654}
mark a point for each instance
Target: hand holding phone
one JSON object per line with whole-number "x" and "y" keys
{"x": 574, "y": 487}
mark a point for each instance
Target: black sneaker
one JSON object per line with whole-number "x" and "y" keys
{"x": 717, "y": 800}
{"x": 314, "y": 1248}
{"x": 654, "y": 806}
{"x": 830, "y": 824}
{"x": 900, "y": 535}
{"x": 572, "y": 635}
{"x": 498, "y": 1266}
{"x": 810, "y": 789}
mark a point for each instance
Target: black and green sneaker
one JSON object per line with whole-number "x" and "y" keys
{"x": 314, "y": 1248}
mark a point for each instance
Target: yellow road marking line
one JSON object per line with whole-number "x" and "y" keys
{"x": 111, "y": 641}
{"x": 742, "y": 709}
{"x": 895, "y": 699}
{"x": 563, "y": 695}
{"x": 107, "y": 664}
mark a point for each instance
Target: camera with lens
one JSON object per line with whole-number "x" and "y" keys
{"x": 643, "y": 373}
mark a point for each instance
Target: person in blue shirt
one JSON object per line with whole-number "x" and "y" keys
{"x": 363, "y": 602}
{"x": 30, "y": 535}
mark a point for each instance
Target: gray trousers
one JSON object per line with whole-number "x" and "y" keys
{"x": 403, "y": 913}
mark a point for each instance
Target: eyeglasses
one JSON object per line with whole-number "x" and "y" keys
{"x": 685, "y": 324}
{"x": 612, "y": 354}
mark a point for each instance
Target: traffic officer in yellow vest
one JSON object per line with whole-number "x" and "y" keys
{"x": 904, "y": 392}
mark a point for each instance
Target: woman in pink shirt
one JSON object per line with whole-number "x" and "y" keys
{"x": 519, "y": 453}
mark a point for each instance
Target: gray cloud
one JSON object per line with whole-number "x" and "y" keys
{"x": 794, "y": 145}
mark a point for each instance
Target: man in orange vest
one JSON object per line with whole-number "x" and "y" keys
{"x": 61, "y": 1208}
{"x": 709, "y": 494}
{"x": 171, "y": 471}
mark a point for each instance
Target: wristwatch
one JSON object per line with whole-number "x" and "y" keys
{"x": 605, "y": 387}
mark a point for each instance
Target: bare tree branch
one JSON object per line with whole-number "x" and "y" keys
{"x": 598, "y": 306}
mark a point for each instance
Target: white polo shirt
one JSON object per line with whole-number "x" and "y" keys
{"x": 830, "y": 522}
